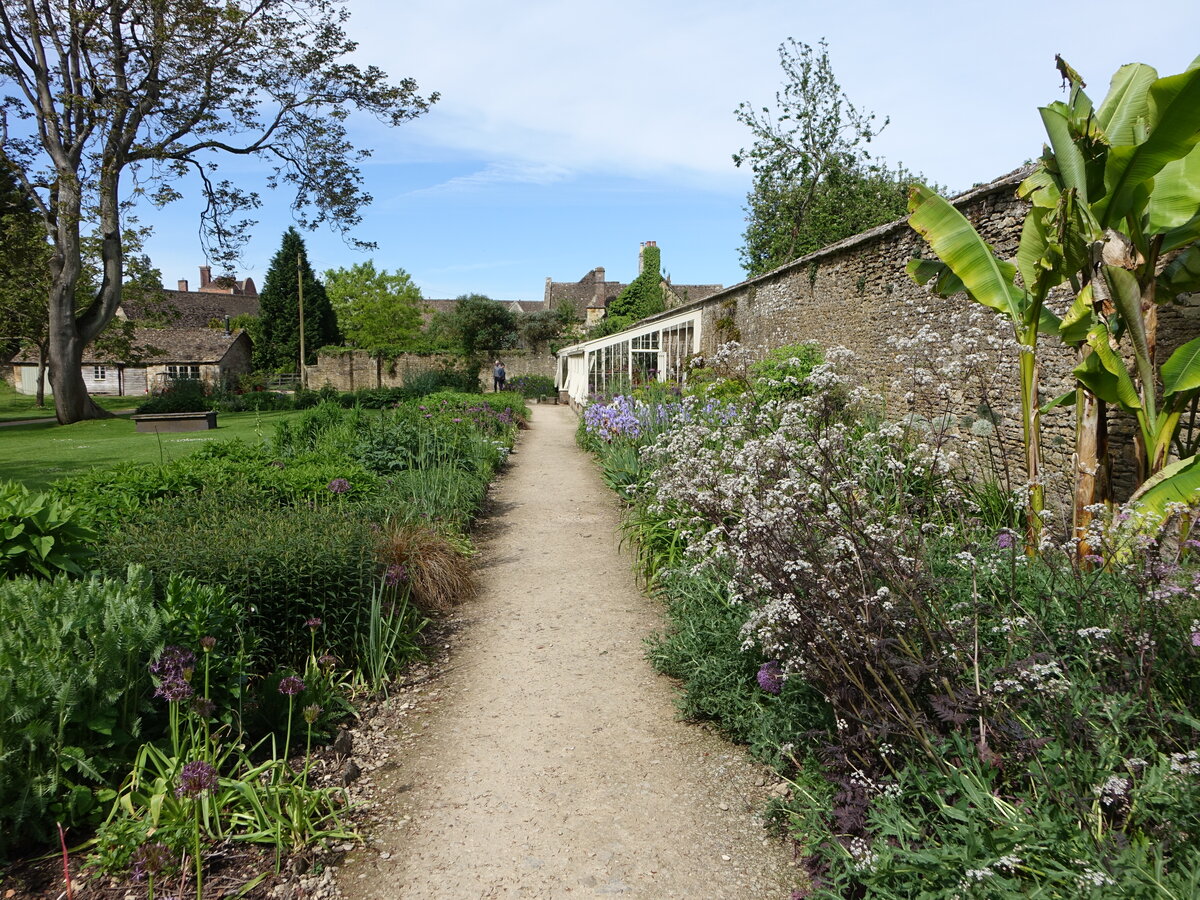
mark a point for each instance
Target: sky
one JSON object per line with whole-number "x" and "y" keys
{"x": 568, "y": 133}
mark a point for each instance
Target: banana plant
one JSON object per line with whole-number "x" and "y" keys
{"x": 1132, "y": 236}
{"x": 968, "y": 263}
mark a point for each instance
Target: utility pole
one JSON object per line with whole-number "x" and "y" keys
{"x": 300, "y": 288}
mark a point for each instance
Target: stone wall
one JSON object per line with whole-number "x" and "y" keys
{"x": 856, "y": 294}
{"x": 355, "y": 370}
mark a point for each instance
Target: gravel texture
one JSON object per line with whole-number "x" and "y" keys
{"x": 542, "y": 756}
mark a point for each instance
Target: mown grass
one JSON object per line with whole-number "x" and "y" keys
{"x": 14, "y": 407}
{"x": 40, "y": 453}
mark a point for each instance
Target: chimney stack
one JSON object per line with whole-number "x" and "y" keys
{"x": 227, "y": 330}
{"x": 205, "y": 276}
{"x": 183, "y": 284}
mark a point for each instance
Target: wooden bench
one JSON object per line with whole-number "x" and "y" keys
{"x": 159, "y": 423}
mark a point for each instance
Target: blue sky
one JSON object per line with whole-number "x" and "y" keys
{"x": 570, "y": 132}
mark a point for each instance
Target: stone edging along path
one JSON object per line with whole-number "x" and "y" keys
{"x": 548, "y": 761}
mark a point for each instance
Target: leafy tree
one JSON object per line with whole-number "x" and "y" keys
{"x": 814, "y": 183}
{"x": 548, "y": 326}
{"x": 24, "y": 269}
{"x": 481, "y": 325}
{"x": 644, "y": 295}
{"x": 113, "y": 96}
{"x": 279, "y": 308}
{"x": 375, "y": 309}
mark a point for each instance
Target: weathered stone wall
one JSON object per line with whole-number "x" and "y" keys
{"x": 856, "y": 294}
{"x": 355, "y": 370}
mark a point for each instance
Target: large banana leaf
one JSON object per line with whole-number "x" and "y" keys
{"x": 1182, "y": 371}
{"x": 1182, "y": 274}
{"x": 1104, "y": 374}
{"x": 1175, "y": 199}
{"x": 1127, "y": 102}
{"x": 1174, "y": 120}
{"x": 1076, "y": 324}
{"x": 945, "y": 282}
{"x": 1072, "y": 167}
{"x": 1176, "y": 483}
{"x": 1127, "y": 297}
{"x": 956, "y": 243}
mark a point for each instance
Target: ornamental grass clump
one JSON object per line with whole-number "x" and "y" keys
{"x": 435, "y": 568}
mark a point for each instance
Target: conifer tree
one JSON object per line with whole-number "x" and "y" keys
{"x": 279, "y": 347}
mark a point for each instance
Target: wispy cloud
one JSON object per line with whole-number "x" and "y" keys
{"x": 498, "y": 173}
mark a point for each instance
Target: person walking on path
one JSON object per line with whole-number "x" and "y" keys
{"x": 498, "y": 376}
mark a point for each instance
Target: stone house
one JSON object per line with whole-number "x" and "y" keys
{"x": 591, "y": 295}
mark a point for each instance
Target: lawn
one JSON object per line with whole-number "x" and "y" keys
{"x": 40, "y": 453}
{"x": 14, "y": 406}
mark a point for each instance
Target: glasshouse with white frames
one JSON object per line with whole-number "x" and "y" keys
{"x": 656, "y": 350}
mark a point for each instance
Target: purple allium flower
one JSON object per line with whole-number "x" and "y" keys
{"x": 1004, "y": 540}
{"x": 150, "y": 860}
{"x": 174, "y": 661}
{"x": 327, "y": 661}
{"x": 173, "y": 689}
{"x": 394, "y": 575}
{"x": 314, "y": 623}
{"x": 207, "y": 643}
{"x": 311, "y": 713}
{"x": 196, "y": 778}
{"x": 291, "y": 685}
{"x": 339, "y": 485}
{"x": 203, "y": 707}
{"x": 770, "y": 677}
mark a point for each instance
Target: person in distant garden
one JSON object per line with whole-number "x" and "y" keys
{"x": 498, "y": 376}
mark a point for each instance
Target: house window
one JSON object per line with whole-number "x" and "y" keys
{"x": 99, "y": 373}
{"x": 185, "y": 371}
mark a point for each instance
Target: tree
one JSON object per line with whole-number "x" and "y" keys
{"x": 279, "y": 310}
{"x": 375, "y": 309}
{"x": 24, "y": 267}
{"x": 114, "y": 97}
{"x": 480, "y": 324}
{"x": 814, "y": 183}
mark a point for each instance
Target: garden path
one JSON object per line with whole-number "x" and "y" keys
{"x": 549, "y": 761}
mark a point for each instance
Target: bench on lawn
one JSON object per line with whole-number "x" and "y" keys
{"x": 158, "y": 423}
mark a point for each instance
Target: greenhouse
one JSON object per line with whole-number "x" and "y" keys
{"x": 656, "y": 350}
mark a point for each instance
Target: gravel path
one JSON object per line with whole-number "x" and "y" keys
{"x": 548, "y": 761}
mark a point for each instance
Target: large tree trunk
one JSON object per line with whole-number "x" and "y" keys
{"x": 71, "y": 332}
{"x": 41, "y": 375}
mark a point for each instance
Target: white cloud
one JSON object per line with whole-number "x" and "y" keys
{"x": 498, "y": 173}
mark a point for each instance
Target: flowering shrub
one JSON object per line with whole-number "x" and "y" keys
{"x": 969, "y": 689}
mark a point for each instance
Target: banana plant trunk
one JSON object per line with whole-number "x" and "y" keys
{"x": 1032, "y": 432}
{"x": 1093, "y": 473}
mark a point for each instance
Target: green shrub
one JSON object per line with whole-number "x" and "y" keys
{"x": 283, "y": 565}
{"x": 73, "y": 688}
{"x": 532, "y": 385}
{"x": 40, "y": 534}
{"x": 181, "y": 395}
{"x": 462, "y": 380}
{"x": 231, "y": 470}
{"x": 702, "y": 647}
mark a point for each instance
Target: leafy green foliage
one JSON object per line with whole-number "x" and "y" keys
{"x": 279, "y": 303}
{"x": 73, "y": 687}
{"x": 283, "y": 565}
{"x": 814, "y": 183}
{"x": 479, "y": 324}
{"x": 532, "y": 385}
{"x": 181, "y": 395}
{"x": 41, "y": 534}
{"x": 374, "y": 309}
{"x": 643, "y": 296}
{"x": 24, "y": 267}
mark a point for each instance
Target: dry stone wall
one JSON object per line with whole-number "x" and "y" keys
{"x": 355, "y": 370}
{"x": 856, "y": 294}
